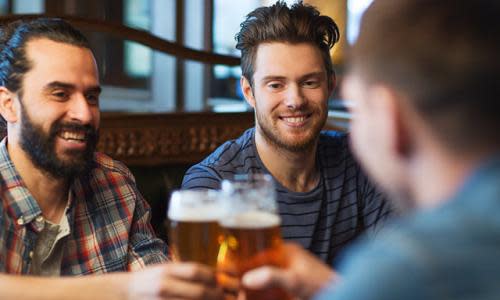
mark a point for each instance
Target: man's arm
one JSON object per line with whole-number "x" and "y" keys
{"x": 144, "y": 247}
{"x": 165, "y": 281}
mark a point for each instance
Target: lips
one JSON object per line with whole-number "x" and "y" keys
{"x": 72, "y": 136}
{"x": 297, "y": 120}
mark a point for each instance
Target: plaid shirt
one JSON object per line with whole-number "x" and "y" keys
{"x": 109, "y": 221}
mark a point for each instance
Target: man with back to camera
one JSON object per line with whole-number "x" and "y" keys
{"x": 423, "y": 82}
{"x": 324, "y": 199}
{"x": 66, "y": 209}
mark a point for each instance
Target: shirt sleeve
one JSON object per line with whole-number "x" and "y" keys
{"x": 144, "y": 247}
{"x": 201, "y": 177}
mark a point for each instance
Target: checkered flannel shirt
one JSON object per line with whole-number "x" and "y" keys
{"x": 109, "y": 220}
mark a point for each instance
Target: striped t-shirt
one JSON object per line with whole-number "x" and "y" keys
{"x": 323, "y": 220}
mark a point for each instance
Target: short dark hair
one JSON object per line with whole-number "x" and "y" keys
{"x": 13, "y": 38}
{"x": 278, "y": 23}
{"x": 442, "y": 55}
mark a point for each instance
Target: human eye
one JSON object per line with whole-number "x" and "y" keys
{"x": 92, "y": 98}
{"x": 275, "y": 85}
{"x": 60, "y": 95}
{"x": 311, "y": 83}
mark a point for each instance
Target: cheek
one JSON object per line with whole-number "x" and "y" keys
{"x": 97, "y": 118}
{"x": 364, "y": 145}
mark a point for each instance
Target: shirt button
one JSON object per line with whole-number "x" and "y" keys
{"x": 20, "y": 221}
{"x": 31, "y": 254}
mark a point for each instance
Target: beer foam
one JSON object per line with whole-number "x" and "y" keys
{"x": 252, "y": 220}
{"x": 187, "y": 206}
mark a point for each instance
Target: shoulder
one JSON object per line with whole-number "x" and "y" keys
{"x": 232, "y": 157}
{"x": 232, "y": 151}
{"x": 372, "y": 266}
{"x": 335, "y": 154}
{"x": 105, "y": 165}
{"x": 109, "y": 179}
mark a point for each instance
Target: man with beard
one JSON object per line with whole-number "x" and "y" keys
{"x": 424, "y": 86}
{"x": 66, "y": 209}
{"x": 324, "y": 200}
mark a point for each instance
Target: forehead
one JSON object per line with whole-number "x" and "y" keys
{"x": 285, "y": 59}
{"x": 56, "y": 61}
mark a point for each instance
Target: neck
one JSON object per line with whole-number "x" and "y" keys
{"x": 296, "y": 171}
{"x": 439, "y": 176}
{"x": 50, "y": 193}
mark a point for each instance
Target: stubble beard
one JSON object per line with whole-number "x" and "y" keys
{"x": 272, "y": 135}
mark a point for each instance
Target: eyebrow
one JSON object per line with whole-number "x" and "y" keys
{"x": 69, "y": 86}
{"x": 308, "y": 75}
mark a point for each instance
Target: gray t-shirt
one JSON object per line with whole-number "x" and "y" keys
{"x": 323, "y": 220}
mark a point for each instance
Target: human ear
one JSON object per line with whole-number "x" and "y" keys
{"x": 393, "y": 120}
{"x": 247, "y": 90}
{"x": 8, "y": 109}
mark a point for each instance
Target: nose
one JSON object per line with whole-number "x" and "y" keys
{"x": 81, "y": 110}
{"x": 294, "y": 98}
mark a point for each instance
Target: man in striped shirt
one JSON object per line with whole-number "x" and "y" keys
{"x": 324, "y": 199}
{"x": 65, "y": 209}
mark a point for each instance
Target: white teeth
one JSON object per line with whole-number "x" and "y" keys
{"x": 73, "y": 136}
{"x": 295, "y": 119}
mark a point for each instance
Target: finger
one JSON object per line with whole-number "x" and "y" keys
{"x": 268, "y": 277}
{"x": 192, "y": 272}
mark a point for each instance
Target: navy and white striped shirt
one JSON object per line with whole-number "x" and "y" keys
{"x": 323, "y": 220}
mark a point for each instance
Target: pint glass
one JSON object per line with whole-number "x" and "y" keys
{"x": 194, "y": 231}
{"x": 252, "y": 234}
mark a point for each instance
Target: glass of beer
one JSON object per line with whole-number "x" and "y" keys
{"x": 194, "y": 231}
{"x": 252, "y": 234}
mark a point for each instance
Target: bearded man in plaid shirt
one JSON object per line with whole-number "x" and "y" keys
{"x": 66, "y": 209}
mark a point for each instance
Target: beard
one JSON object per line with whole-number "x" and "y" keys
{"x": 40, "y": 147}
{"x": 306, "y": 142}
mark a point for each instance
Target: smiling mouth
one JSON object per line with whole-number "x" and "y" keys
{"x": 295, "y": 120}
{"x": 75, "y": 137}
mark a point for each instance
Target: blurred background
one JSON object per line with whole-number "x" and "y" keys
{"x": 139, "y": 79}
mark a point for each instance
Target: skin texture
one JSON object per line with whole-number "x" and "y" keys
{"x": 289, "y": 94}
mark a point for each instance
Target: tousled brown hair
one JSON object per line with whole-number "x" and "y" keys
{"x": 299, "y": 23}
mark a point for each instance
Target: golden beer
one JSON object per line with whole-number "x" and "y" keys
{"x": 194, "y": 230}
{"x": 195, "y": 241}
{"x": 251, "y": 240}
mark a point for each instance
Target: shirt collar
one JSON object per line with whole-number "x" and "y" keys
{"x": 19, "y": 202}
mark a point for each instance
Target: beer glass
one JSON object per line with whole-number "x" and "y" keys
{"x": 252, "y": 234}
{"x": 194, "y": 231}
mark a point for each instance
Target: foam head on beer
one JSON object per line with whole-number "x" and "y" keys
{"x": 194, "y": 231}
{"x": 194, "y": 205}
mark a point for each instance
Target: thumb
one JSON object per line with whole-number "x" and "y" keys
{"x": 269, "y": 277}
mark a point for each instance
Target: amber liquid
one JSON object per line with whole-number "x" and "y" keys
{"x": 196, "y": 241}
{"x": 244, "y": 249}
